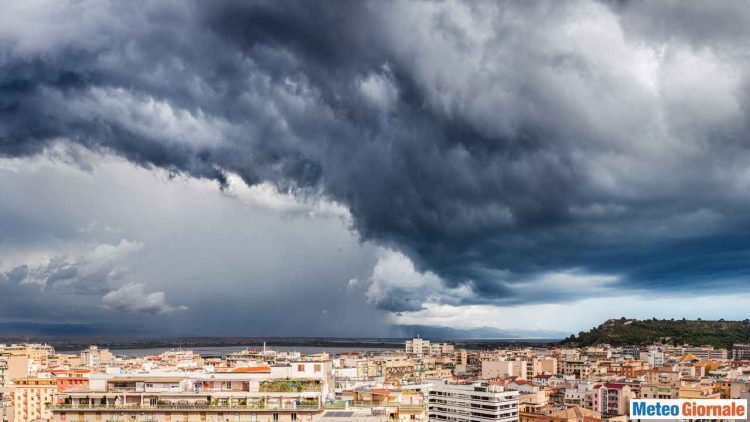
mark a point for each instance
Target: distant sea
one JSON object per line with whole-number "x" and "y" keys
{"x": 225, "y": 350}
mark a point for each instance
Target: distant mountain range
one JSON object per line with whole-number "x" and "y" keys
{"x": 20, "y": 330}
{"x": 624, "y": 331}
{"x": 437, "y": 332}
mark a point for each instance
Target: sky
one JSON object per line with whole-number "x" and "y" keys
{"x": 357, "y": 168}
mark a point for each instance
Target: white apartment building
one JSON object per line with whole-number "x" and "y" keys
{"x": 247, "y": 394}
{"x": 472, "y": 403}
{"x": 654, "y": 356}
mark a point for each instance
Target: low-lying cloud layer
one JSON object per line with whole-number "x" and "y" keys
{"x": 500, "y": 151}
{"x": 102, "y": 270}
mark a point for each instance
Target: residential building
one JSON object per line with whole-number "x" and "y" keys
{"x": 479, "y": 402}
{"x": 706, "y": 353}
{"x": 740, "y": 351}
{"x": 611, "y": 398}
{"x": 250, "y": 393}
{"x": 18, "y": 367}
{"x": 94, "y": 356}
{"x": 504, "y": 369}
{"x": 417, "y": 346}
{"x": 659, "y": 391}
{"x": 38, "y": 353}
{"x": 32, "y": 398}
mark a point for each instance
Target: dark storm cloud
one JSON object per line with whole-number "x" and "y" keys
{"x": 492, "y": 142}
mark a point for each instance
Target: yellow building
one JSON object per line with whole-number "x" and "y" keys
{"x": 32, "y": 399}
{"x": 698, "y": 392}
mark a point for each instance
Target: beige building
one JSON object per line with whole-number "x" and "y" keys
{"x": 580, "y": 369}
{"x": 32, "y": 399}
{"x": 421, "y": 347}
{"x": 659, "y": 391}
{"x": 94, "y": 356}
{"x": 537, "y": 366}
{"x": 18, "y": 367}
{"x": 417, "y": 346}
{"x": 38, "y": 353}
{"x": 504, "y": 369}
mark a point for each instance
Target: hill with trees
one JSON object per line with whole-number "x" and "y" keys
{"x": 618, "y": 332}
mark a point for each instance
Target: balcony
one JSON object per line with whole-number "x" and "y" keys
{"x": 187, "y": 407}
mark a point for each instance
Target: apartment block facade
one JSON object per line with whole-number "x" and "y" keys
{"x": 477, "y": 402}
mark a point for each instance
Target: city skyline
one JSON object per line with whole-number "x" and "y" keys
{"x": 275, "y": 168}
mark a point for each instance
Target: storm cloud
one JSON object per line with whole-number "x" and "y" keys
{"x": 497, "y": 148}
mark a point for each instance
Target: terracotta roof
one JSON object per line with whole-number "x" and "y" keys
{"x": 576, "y": 412}
{"x": 252, "y": 369}
{"x": 70, "y": 371}
{"x": 381, "y": 391}
{"x": 689, "y": 357}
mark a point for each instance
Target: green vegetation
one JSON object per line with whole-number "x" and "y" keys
{"x": 618, "y": 332}
{"x": 288, "y": 386}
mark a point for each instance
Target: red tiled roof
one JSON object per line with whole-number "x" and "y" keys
{"x": 252, "y": 369}
{"x": 70, "y": 371}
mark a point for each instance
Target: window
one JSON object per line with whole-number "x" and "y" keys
{"x": 275, "y": 416}
{"x": 301, "y": 368}
{"x": 294, "y": 416}
{"x": 317, "y": 368}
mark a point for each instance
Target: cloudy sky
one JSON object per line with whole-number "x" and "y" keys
{"x": 347, "y": 168}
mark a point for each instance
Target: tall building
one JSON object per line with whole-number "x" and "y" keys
{"x": 478, "y": 402}
{"x": 653, "y": 356}
{"x": 94, "y": 356}
{"x": 612, "y": 398}
{"x": 421, "y": 347}
{"x": 33, "y": 398}
{"x": 740, "y": 351}
{"x": 3, "y": 370}
{"x": 5, "y": 403}
{"x": 417, "y": 346}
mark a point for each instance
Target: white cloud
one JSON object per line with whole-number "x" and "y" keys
{"x": 132, "y": 297}
{"x": 352, "y": 285}
{"x": 379, "y": 89}
{"x": 266, "y": 195}
{"x": 92, "y": 271}
{"x": 395, "y": 284}
{"x": 579, "y": 315}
